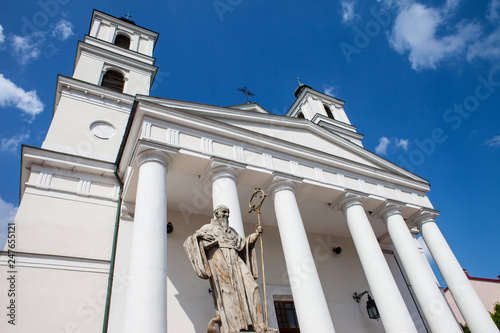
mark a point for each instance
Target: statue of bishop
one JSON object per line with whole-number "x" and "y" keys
{"x": 218, "y": 253}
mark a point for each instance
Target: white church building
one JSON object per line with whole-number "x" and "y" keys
{"x": 123, "y": 178}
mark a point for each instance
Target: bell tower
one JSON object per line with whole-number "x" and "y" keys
{"x": 325, "y": 111}
{"x": 117, "y": 54}
{"x": 113, "y": 64}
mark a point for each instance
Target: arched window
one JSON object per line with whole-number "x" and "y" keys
{"x": 113, "y": 80}
{"x": 122, "y": 41}
{"x": 328, "y": 111}
{"x": 300, "y": 115}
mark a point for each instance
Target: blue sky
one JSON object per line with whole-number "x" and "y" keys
{"x": 420, "y": 79}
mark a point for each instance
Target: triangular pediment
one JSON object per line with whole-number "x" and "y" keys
{"x": 304, "y": 139}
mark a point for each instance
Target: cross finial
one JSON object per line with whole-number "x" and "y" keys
{"x": 298, "y": 80}
{"x": 128, "y": 16}
{"x": 247, "y": 92}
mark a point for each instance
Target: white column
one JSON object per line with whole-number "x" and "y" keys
{"x": 146, "y": 302}
{"x": 225, "y": 192}
{"x": 435, "y": 309}
{"x": 470, "y": 305}
{"x": 390, "y": 303}
{"x": 310, "y": 302}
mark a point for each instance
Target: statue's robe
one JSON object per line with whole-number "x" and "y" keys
{"x": 230, "y": 262}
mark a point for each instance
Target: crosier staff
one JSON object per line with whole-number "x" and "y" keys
{"x": 259, "y": 194}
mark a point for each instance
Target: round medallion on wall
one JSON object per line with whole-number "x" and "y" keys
{"x": 102, "y": 129}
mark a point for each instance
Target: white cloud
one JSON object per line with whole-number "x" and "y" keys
{"x": 383, "y": 143}
{"x": 63, "y": 30}
{"x": 486, "y": 48}
{"x": 11, "y": 145}
{"x": 7, "y": 214}
{"x": 450, "y": 5}
{"x": 27, "y": 101}
{"x": 494, "y": 142}
{"x": 348, "y": 14}
{"x": 27, "y": 49}
{"x": 329, "y": 90}
{"x": 394, "y": 144}
{"x": 2, "y": 36}
{"x": 415, "y": 32}
{"x": 493, "y": 10}
{"x": 402, "y": 143}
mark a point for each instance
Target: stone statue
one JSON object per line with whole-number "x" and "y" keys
{"x": 218, "y": 253}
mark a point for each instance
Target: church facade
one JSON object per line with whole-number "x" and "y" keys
{"x": 123, "y": 179}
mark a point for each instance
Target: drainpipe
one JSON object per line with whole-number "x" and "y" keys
{"x": 113, "y": 254}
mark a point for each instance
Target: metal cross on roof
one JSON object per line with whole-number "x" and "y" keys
{"x": 128, "y": 16}
{"x": 247, "y": 92}
{"x": 298, "y": 80}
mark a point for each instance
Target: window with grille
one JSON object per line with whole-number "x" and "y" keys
{"x": 122, "y": 41}
{"x": 287, "y": 317}
{"x": 113, "y": 80}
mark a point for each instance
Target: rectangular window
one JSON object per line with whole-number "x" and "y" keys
{"x": 287, "y": 317}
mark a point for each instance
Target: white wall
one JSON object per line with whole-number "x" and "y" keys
{"x": 55, "y": 300}
{"x": 70, "y": 132}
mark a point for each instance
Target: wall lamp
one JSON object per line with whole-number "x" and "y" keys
{"x": 337, "y": 250}
{"x": 170, "y": 228}
{"x": 371, "y": 307}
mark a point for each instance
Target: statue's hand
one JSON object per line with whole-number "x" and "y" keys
{"x": 253, "y": 238}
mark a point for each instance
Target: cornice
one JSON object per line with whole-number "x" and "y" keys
{"x": 110, "y": 56}
{"x": 117, "y": 100}
{"x": 102, "y": 44}
{"x": 58, "y": 160}
{"x": 134, "y": 27}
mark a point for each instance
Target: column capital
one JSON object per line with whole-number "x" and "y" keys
{"x": 348, "y": 199}
{"x": 281, "y": 182}
{"x": 219, "y": 168}
{"x": 388, "y": 208}
{"x": 153, "y": 155}
{"x": 421, "y": 217}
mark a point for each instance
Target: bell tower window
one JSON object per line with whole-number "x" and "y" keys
{"x": 122, "y": 41}
{"x": 328, "y": 111}
{"x": 113, "y": 80}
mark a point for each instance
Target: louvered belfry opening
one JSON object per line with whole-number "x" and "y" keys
{"x": 122, "y": 41}
{"x": 113, "y": 80}
{"x": 328, "y": 111}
